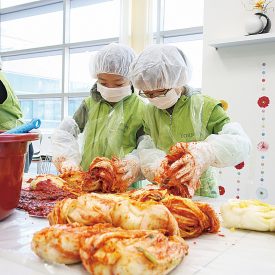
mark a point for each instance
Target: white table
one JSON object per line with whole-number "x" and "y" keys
{"x": 238, "y": 252}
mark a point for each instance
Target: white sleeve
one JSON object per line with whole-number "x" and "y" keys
{"x": 64, "y": 142}
{"x": 231, "y": 146}
{"x": 145, "y": 142}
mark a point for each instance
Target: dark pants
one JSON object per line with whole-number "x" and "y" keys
{"x": 28, "y": 158}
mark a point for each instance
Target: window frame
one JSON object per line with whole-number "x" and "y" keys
{"x": 160, "y": 34}
{"x": 65, "y": 48}
{"x": 176, "y": 35}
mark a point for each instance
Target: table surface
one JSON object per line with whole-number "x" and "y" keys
{"x": 229, "y": 252}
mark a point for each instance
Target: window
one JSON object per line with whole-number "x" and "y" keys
{"x": 80, "y": 78}
{"x": 97, "y": 20}
{"x": 74, "y": 103}
{"x": 35, "y": 27}
{"x": 193, "y": 50}
{"x": 48, "y": 110}
{"x": 180, "y": 23}
{"x": 35, "y": 75}
{"x": 46, "y": 48}
{"x": 10, "y": 3}
{"x": 180, "y": 14}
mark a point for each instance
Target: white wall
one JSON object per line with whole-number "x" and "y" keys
{"x": 234, "y": 74}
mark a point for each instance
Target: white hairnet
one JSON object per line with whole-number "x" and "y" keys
{"x": 112, "y": 59}
{"x": 160, "y": 67}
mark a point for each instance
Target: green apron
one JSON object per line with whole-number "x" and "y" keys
{"x": 194, "y": 118}
{"x": 111, "y": 130}
{"x": 10, "y": 112}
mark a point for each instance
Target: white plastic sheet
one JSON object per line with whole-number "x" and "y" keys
{"x": 229, "y": 252}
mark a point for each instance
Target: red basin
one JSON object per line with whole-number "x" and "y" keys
{"x": 12, "y": 157}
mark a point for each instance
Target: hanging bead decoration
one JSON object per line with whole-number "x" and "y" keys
{"x": 262, "y": 146}
{"x": 221, "y": 187}
{"x": 239, "y": 167}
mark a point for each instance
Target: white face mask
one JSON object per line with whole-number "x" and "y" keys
{"x": 166, "y": 101}
{"x": 114, "y": 94}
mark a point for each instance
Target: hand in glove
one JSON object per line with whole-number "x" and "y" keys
{"x": 129, "y": 168}
{"x": 69, "y": 125}
{"x": 189, "y": 168}
{"x": 151, "y": 160}
{"x": 62, "y": 165}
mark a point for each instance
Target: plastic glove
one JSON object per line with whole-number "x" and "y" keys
{"x": 150, "y": 157}
{"x": 231, "y": 146}
{"x": 62, "y": 165}
{"x": 188, "y": 169}
{"x": 129, "y": 167}
{"x": 66, "y": 155}
{"x": 69, "y": 125}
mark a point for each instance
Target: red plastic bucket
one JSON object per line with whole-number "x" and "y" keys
{"x": 12, "y": 158}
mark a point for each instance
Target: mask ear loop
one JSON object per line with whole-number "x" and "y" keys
{"x": 132, "y": 87}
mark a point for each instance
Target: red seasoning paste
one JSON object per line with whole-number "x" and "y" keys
{"x": 41, "y": 200}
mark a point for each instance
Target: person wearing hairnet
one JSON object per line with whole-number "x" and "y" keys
{"x": 110, "y": 118}
{"x": 10, "y": 112}
{"x": 179, "y": 113}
